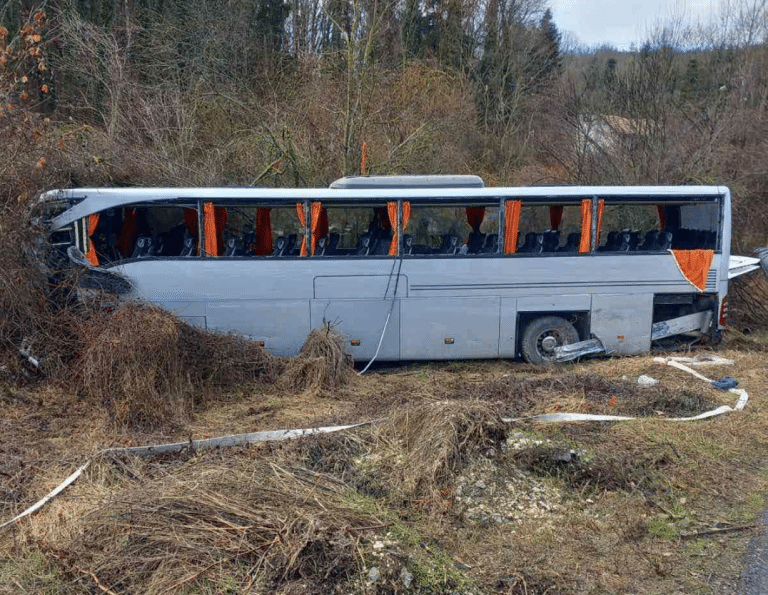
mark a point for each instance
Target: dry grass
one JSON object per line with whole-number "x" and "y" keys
{"x": 242, "y": 523}
{"x": 432, "y": 442}
{"x": 147, "y": 526}
{"x": 322, "y": 363}
{"x": 149, "y": 369}
{"x": 748, "y": 307}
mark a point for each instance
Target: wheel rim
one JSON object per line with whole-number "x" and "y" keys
{"x": 547, "y": 341}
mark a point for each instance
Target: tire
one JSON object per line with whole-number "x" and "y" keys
{"x": 541, "y": 328}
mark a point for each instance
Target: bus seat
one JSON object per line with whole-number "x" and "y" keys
{"x": 281, "y": 245}
{"x": 664, "y": 241}
{"x": 364, "y": 245}
{"x": 650, "y": 240}
{"x": 333, "y": 244}
{"x": 571, "y": 243}
{"x": 450, "y": 244}
{"x": 249, "y": 243}
{"x": 534, "y": 243}
{"x": 407, "y": 244}
{"x": 491, "y": 245}
{"x": 382, "y": 244}
{"x": 322, "y": 244}
{"x": 231, "y": 247}
{"x": 633, "y": 238}
{"x": 143, "y": 247}
{"x": 475, "y": 242}
{"x": 611, "y": 242}
{"x": 624, "y": 242}
{"x": 292, "y": 245}
{"x": 551, "y": 241}
{"x": 188, "y": 248}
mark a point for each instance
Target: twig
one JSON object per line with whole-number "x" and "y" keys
{"x": 96, "y": 581}
{"x": 382, "y": 526}
{"x": 718, "y": 531}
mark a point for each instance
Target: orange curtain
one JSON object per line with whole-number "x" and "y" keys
{"x": 555, "y": 217}
{"x": 93, "y": 222}
{"x": 129, "y": 230}
{"x": 475, "y": 216}
{"x": 263, "y": 232}
{"x": 215, "y": 220}
{"x": 586, "y": 226}
{"x": 600, "y": 209}
{"x": 303, "y": 222}
{"x": 694, "y": 265}
{"x": 662, "y": 217}
{"x": 511, "y": 225}
{"x": 319, "y": 217}
{"x": 392, "y": 213}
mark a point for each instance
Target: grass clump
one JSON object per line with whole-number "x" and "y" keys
{"x": 435, "y": 439}
{"x": 322, "y": 363}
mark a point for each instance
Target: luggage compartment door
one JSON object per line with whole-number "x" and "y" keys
{"x": 362, "y": 321}
{"x": 450, "y": 328}
{"x": 623, "y": 322}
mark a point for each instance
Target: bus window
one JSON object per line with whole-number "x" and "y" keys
{"x": 253, "y": 231}
{"x": 632, "y": 227}
{"x": 452, "y": 230}
{"x": 140, "y": 232}
{"x": 356, "y": 231}
{"x": 546, "y": 229}
{"x": 656, "y": 228}
{"x": 694, "y": 226}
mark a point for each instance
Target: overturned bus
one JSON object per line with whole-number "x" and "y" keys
{"x": 414, "y": 267}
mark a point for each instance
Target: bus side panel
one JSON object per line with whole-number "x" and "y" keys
{"x": 508, "y": 328}
{"x": 450, "y": 328}
{"x": 362, "y": 321}
{"x": 623, "y": 322}
{"x": 281, "y": 324}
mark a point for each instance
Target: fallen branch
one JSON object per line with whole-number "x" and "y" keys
{"x": 711, "y": 532}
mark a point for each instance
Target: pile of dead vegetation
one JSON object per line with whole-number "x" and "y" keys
{"x": 423, "y": 447}
{"x": 240, "y": 524}
{"x": 322, "y": 363}
{"x": 748, "y": 308}
{"x": 150, "y": 369}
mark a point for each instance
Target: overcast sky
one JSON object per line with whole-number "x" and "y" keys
{"x": 621, "y": 22}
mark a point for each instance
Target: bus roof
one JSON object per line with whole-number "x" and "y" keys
{"x": 92, "y": 200}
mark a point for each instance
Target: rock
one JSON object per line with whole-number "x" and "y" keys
{"x": 406, "y": 577}
{"x": 374, "y": 574}
{"x": 480, "y": 485}
{"x": 646, "y": 381}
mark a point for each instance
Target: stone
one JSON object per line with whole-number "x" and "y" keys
{"x": 374, "y": 574}
{"x": 406, "y": 577}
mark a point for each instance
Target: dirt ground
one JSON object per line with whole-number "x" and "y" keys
{"x": 438, "y": 495}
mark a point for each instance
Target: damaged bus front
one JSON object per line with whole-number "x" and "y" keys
{"x": 415, "y": 267}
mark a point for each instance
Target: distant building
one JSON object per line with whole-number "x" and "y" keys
{"x": 608, "y": 133}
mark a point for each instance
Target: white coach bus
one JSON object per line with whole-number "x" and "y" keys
{"x": 414, "y": 267}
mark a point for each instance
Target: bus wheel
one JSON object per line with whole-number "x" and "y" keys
{"x": 542, "y": 335}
